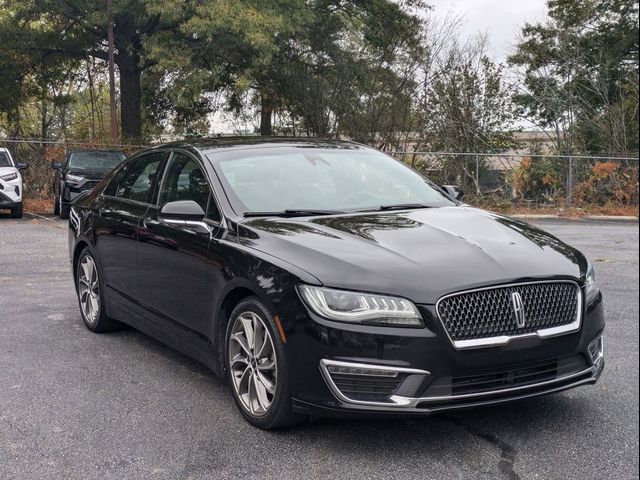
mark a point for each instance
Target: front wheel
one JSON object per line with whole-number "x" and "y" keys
{"x": 90, "y": 295}
{"x": 257, "y": 367}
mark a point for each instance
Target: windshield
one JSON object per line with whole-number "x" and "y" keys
{"x": 303, "y": 178}
{"x": 98, "y": 161}
{"x": 5, "y": 161}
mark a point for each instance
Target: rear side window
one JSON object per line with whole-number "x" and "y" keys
{"x": 139, "y": 176}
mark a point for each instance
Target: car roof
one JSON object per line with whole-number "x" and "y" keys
{"x": 208, "y": 145}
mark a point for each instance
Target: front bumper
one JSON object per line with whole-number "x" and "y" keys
{"x": 10, "y": 194}
{"x": 432, "y": 375}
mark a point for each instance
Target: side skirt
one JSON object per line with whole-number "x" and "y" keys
{"x": 158, "y": 326}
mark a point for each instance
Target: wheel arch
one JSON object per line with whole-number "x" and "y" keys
{"x": 77, "y": 250}
{"x": 236, "y": 291}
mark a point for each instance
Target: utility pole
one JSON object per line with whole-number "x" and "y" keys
{"x": 112, "y": 81}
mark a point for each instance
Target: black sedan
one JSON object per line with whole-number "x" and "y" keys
{"x": 324, "y": 278}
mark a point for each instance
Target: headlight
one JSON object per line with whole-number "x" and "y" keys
{"x": 362, "y": 308}
{"x": 9, "y": 176}
{"x": 74, "y": 178}
{"x": 591, "y": 290}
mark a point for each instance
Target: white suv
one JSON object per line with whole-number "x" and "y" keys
{"x": 10, "y": 183}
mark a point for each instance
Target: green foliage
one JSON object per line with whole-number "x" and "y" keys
{"x": 581, "y": 75}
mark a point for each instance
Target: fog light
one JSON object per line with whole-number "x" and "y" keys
{"x": 596, "y": 349}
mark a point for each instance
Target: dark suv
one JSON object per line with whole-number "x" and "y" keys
{"x": 81, "y": 170}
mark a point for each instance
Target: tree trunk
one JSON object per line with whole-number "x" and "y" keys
{"x": 266, "y": 113}
{"x": 129, "y": 46}
{"x": 130, "y": 97}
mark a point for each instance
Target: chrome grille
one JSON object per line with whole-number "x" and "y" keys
{"x": 488, "y": 313}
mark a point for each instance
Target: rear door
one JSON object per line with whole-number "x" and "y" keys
{"x": 173, "y": 258}
{"x": 120, "y": 210}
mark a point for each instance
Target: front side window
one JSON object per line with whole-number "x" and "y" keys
{"x": 139, "y": 176}
{"x": 5, "y": 161}
{"x": 186, "y": 180}
{"x": 299, "y": 178}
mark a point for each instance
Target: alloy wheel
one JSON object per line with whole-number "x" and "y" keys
{"x": 253, "y": 364}
{"x": 89, "y": 289}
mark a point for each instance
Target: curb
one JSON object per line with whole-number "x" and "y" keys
{"x": 612, "y": 218}
{"x": 606, "y": 218}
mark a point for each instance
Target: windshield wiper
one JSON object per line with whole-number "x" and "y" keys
{"x": 292, "y": 213}
{"x": 398, "y": 206}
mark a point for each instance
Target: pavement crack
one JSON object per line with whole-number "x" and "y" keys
{"x": 508, "y": 453}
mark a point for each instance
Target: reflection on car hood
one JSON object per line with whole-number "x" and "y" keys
{"x": 421, "y": 254}
{"x": 89, "y": 174}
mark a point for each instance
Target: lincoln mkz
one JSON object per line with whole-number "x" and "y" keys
{"x": 325, "y": 278}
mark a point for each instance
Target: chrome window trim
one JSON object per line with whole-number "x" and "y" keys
{"x": 324, "y": 363}
{"x": 505, "y": 339}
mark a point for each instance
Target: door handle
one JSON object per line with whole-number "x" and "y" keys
{"x": 148, "y": 222}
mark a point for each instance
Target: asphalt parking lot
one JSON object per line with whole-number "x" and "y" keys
{"x": 74, "y": 404}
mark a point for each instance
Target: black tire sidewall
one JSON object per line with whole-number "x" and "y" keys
{"x": 16, "y": 212}
{"x": 280, "y": 410}
{"x": 64, "y": 211}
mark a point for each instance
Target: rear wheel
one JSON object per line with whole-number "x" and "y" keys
{"x": 90, "y": 295}
{"x": 16, "y": 212}
{"x": 257, "y": 367}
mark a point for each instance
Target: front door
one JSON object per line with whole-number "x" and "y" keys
{"x": 173, "y": 258}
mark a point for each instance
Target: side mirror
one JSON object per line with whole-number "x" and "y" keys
{"x": 454, "y": 192}
{"x": 182, "y": 210}
{"x": 56, "y": 166}
{"x": 184, "y": 213}
{"x": 22, "y": 166}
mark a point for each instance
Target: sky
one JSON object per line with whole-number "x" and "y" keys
{"x": 501, "y": 20}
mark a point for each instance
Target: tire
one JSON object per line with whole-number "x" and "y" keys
{"x": 16, "y": 212}
{"x": 90, "y": 288}
{"x": 64, "y": 210}
{"x": 56, "y": 206}
{"x": 260, "y": 407}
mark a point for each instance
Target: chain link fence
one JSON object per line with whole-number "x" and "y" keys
{"x": 40, "y": 154}
{"x": 533, "y": 180}
{"x": 486, "y": 179}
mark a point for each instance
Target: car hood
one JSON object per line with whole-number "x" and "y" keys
{"x": 420, "y": 254}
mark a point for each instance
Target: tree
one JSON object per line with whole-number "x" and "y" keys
{"x": 51, "y": 30}
{"x": 465, "y": 106}
{"x": 580, "y": 75}
{"x": 315, "y": 61}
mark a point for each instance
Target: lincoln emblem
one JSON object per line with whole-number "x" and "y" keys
{"x": 518, "y": 309}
